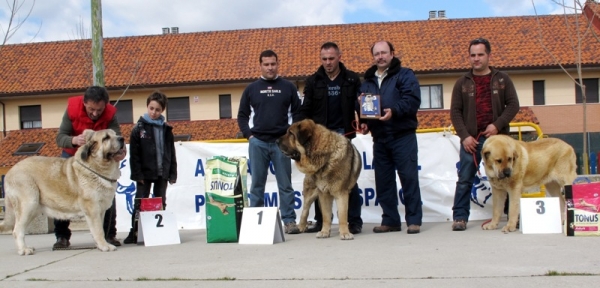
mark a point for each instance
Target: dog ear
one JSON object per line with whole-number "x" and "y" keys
{"x": 486, "y": 154}
{"x": 87, "y": 134}
{"x": 304, "y": 134}
{"x": 87, "y": 150}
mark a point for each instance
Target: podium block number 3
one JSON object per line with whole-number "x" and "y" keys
{"x": 540, "y": 215}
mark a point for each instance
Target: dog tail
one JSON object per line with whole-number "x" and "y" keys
{"x": 9, "y": 217}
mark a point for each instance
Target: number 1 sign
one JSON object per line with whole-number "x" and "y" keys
{"x": 261, "y": 225}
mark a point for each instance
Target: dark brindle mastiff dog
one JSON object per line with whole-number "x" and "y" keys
{"x": 331, "y": 165}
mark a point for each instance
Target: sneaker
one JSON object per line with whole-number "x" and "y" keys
{"x": 459, "y": 225}
{"x": 61, "y": 243}
{"x": 131, "y": 238}
{"x": 314, "y": 227}
{"x": 413, "y": 229}
{"x": 113, "y": 240}
{"x": 355, "y": 228}
{"x": 291, "y": 228}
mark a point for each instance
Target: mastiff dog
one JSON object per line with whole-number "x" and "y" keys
{"x": 513, "y": 166}
{"x": 331, "y": 166}
{"x": 84, "y": 184}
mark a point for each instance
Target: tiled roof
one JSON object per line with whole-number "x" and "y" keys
{"x": 226, "y": 56}
{"x": 199, "y": 130}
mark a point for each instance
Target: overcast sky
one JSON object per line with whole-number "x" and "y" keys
{"x": 56, "y": 20}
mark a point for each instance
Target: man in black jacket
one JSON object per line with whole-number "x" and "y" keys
{"x": 330, "y": 97}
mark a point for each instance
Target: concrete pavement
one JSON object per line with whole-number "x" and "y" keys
{"x": 437, "y": 257}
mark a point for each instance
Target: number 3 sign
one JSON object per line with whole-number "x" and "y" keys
{"x": 540, "y": 215}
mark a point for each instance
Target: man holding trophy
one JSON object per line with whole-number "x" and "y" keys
{"x": 397, "y": 91}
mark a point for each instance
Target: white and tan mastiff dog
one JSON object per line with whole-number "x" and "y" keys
{"x": 513, "y": 166}
{"x": 84, "y": 184}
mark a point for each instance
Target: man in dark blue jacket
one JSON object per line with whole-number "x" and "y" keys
{"x": 330, "y": 100}
{"x": 394, "y": 138}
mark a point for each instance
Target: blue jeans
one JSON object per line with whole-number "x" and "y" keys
{"x": 391, "y": 154}
{"x": 260, "y": 154}
{"x": 466, "y": 173}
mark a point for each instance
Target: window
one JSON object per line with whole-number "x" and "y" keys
{"x": 178, "y": 109}
{"x": 31, "y": 116}
{"x": 29, "y": 149}
{"x": 591, "y": 91}
{"x": 182, "y": 137}
{"x": 225, "y": 106}
{"x": 124, "y": 111}
{"x": 431, "y": 97}
{"x": 539, "y": 92}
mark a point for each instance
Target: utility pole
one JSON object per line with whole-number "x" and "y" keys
{"x": 97, "y": 46}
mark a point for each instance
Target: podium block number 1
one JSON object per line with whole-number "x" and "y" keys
{"x": 261, "y": 225}
{"x": 540, "y": 215}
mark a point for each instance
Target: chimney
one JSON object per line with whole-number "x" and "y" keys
{"x": 431, "y": 15}
{"x": 591, "y": 10}
{"x": 166, "y": 30}
{"x": 174, "y": 30}
{"x": 442, "y": 14}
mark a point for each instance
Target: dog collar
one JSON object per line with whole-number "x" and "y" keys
{"x": 99, "y": 175}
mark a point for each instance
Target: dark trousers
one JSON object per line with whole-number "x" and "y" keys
{"x": 391, "y": 154}
{"x": 143, "y": 191}
{"x": 354, "y": 208}
{"x": 61, "y": 227}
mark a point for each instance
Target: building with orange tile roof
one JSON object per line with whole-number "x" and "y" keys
{"x": 204, "y": 73}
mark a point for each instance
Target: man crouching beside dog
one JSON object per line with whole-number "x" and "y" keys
{"x": 90, "y": 111}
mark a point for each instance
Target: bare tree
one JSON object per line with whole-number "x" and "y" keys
{"x": 15, "y": 20}
{"x": 579, "y": 30}
{"x": 85, "y": 50}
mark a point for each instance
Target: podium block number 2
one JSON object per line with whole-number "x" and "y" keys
{"x": 159, "y": 222}
{"x": 158, "y": 228}
{"x": 540, "y": 215}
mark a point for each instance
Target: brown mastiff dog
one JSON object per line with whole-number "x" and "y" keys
{"x": 331, "y": 165}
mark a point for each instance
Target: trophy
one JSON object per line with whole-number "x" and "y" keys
{"x": 370, "y": 106}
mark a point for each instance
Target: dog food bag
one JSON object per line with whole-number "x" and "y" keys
{"x": 226, "y": 197}
{"x": 583, "y": 209}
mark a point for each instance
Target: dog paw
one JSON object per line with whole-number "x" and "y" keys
{"x": 509, "y": 228}
{"x": 107, "y": 248}
{"x": 346, "y": 236}
{"x": 490, "y": 226}
{"x": 302, "y": 228}
{"x": 322, "y": 234}
{"x": 26, "y": 251}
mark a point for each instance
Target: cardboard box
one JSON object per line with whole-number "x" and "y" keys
{"x": 583, "y": 209}
{"x": 226, "y": 197}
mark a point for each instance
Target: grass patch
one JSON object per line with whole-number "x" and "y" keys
{"x": 556, "y": 273}
{"x": 184, "y": 279}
